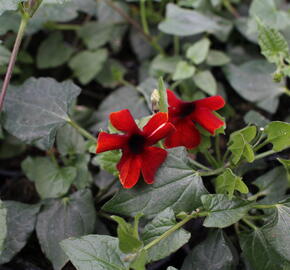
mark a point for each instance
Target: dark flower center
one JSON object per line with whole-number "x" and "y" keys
{"x": 136, "y": 143}
{"x": 187, "y": 109}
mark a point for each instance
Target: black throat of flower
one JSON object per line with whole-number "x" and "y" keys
{"x": 136, "y": 143}
{"x": 186, "y": 109}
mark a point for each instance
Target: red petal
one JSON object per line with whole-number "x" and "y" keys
{"x": 152, "y": 158}
{"x": 173, "y": 100}
{"x": 186, "y": 135}
{"x": 207, "y": 119}
{"x": 123, "y": 121}
{"x": 212, "y": 103}
{"x": 107, "y": 142}
{"x": 129, "y": 167}
{"x": 157, "y": 128}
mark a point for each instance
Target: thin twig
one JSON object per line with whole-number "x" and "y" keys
{"x": 13, "y": 57}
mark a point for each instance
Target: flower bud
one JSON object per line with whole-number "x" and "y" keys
{"x": 155, "y": 98}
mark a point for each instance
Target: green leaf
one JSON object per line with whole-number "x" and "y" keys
{"x": 171, "y": 268}
{"x": 223, "y": 212}
{"x": 255, "y": 118}
{"x": 129, "y": 241}
{"x": 53, "y": 52}
{"x": 240, "y": 146}
{"x": 59, "y": 219}
{"x": 228, "y": 182}
{"x": 258, "y": 252}
{"x": 111, "y": 73}
{"x": 286, "y": 164}
{"x": 4, "y": 55}
{"x": 198, "y": 52}
{"x": 50, "y": 180}
{"x": 158, "y": 226}
{"x": 165, "y": 64}
{"x": 69, "y": 141}
{"x": 183, "y": 71}
{"x": 268, "y": 13}
{"x": 206, "y": 82}
{"x": 84, "y": 177}
{"x": 278, "y": 134}
{"x": 9, "y": 5}
{"x": 96, "y": 34}
{"x": 35, "y": 110}
{"x": 176, "y": 185}
{"x": 273, "y": 184}
{"x": 124, "y": 97}
{"x": 139, "y": 262}
{"x": 108, "y": 161}
{"x": 253, "y": 81}
{"x": 21, "y": 219}
{"x": 106, "y": 14}
{"x": 95, "y": 252}
{"x": 216, "y": 252}
{"x": 273, "y": 45}
{"x": 3, "y": 227}
{"x": 186, "y": 22}
{"x": 217, "y": 58}
{"x": 86, "y": 64}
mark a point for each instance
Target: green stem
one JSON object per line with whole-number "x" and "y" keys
{"x": 211, "y": 159}
{"x": 250, "y": 224}
{"x": 213, "y": 172}
{"x": 53, "y": 158}
{"x": 144, "y": 17}
{"x": 265, "y": 154}
{"x": 231, "y": 9}
{"x": 261, "y": 145}
{"x": 176, "y": 45}
{"x": 62, "y": 27}
{"x": 264, "y": 206}
{"x": 173, "y": 229}
{"x": 20, "y": 34}
{"x": 226, "y": 155}
{"x": 217, "y": 148}
{"x": 81, "y": 130}
{"x": 199, "y": 165}
{"x": 257, "y": 195}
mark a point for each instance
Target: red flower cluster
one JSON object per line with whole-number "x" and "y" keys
{"x": 177, "y": 127}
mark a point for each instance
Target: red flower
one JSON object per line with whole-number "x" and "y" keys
{"x": 183, "y": 115}
{"x": 138, "y": 154}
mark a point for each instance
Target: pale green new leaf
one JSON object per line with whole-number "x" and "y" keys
{"x": 217, "y": 58}
{"x": 129, "y": 241}
{"x": 228, "y": 182}
{"x": 108, "y": 161}
{"x": 278, "y": 134}
{"x": 240, "y": 146}
{"x": 273, "y": 45}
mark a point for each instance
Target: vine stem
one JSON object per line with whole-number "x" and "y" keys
{"x": 199, "y": 165}
{"x": 231, "y": 9}
{"x": 143, "y": 17}
{"x": 20, "y": 34}
{"x": 250, "y": 224}
{"x": 265, "y": 154}
{"x": 173, "y": 229}
{"x": 81, "y": 130}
